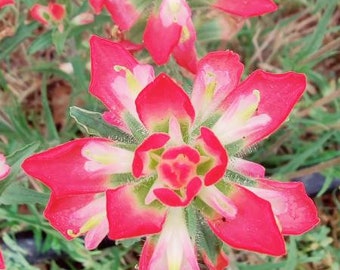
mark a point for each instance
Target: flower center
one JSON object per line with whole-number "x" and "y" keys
{"x": 178, "y": 166}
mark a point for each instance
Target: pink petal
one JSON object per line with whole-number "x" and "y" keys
{"x": 4, "y": 168}
{"x": 77, "y": 215}
{"x": 174, "y": 249}
{"x": 218, "y": 73}
{"x": 83, "y": 18}
{"x": 294, "y": 209}
{"x": 177, "y": 166}
{"x": 142, "y": 153}
{"x": 39, "y": 12}
{"x": 215, "y": 150}
{"x": 104, "y": 158}
{"x": 130, "y": 46}
{"x": 174, "y": 11}
{"x": 246, "y": 167}
{"x": 161, "y": 100}
{"x": 62, "y": 169}
{"x": 253, "y": 227}
{"x": 97, "y": 5}
{"x": 174, "y": 152}
{"x": 170, "y": 198}
{"x": 2, "y": 4}
{"x": 57, "y": 11}
{"x": 2, "y": 261}
{"x": 280, "y": 90}
{"x": 246, "y": 8}
{"x": 146, "y": 255}
{"x": 113, "y": 68}
{"x": 123, "y": 13}
{"x": 128, "y": 215}
{"x": 161, "y": 48}
{"x": 185, "y": 52}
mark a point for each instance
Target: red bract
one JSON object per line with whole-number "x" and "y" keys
{"x": 117, "y": 78}
{"x": 123, "y": 13}
{"x": 78, "y": 174}
{"x": 2, "y": 262}
{"x": 53, "y": 13}
{"x": 174, "y": 19}
{"x": 170, "y": 30}
{"x": 178, "y": 163}
{"x": 246, "y": 8}
{"x": 6, "y": 2}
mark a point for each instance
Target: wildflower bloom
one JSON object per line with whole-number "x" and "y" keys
{"x": 246, "y": 8}
{"x": 4, "y": 168}
{"x": 53, "y": 13}
{"x": 174, "y": 19}
{"x": 178, "y": 161}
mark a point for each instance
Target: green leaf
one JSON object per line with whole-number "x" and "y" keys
{"x": 94, "y": 124}
{"x": 207, "y": 240}
{"x": 59, "y": 39}
{"x": 9, "y": 44}
{"x": 51, "y": 128}
{"x": 137, "y": 129}
{"x": 265, "y": 266}
{"x": 16, "y": 158}
{"x": 18, "y": 194}
{"x": 128, "y": 243}
{"x": 41, "y": 43}
{"x": 292, "y": 259}
{"x": 300, "y": 158}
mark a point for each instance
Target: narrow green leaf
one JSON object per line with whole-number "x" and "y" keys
{"x": 18, "y": 194}
{"x": 328, "y": 181}
{"x": 137, "y": 129}
{"x": 16, "y": 158}
{"x": 59, "y": 39}
{"x": 265, "y": 266}
{"x": 51, "y": 128}
{"x": 292, "y": 259}
{"x": 315, "y": 40}
{"x": 40, "y": 43}
{"x": 300, "y": 158}
{"x": 207, "y": 240}
{"x": 9, "y": 44}
{"x": 94, "y": 124}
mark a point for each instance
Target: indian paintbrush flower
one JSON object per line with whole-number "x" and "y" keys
{"x": 170, "y": 30}
{"x": 52, "y": 13}
{"x": 181, "y": 162}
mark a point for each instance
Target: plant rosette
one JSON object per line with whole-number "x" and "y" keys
{"x": 172, "y": 168}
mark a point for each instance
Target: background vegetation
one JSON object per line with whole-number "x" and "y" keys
{"x": 36, "y": 92}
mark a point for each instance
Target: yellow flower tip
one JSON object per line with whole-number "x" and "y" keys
{"x": 131, "y": 79}
{"x": 90, "y": 224}
{"x": 174, "y": 265}
{"x": 185, "y": 35}
{"x": 211, "y": 85}
{"x": 174, "y": 7}
{"x": 118, "y": 68}
{"x": 254, "y": 104}
{"x": 257, "y": 94}
{"x": 72, "y": 234}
